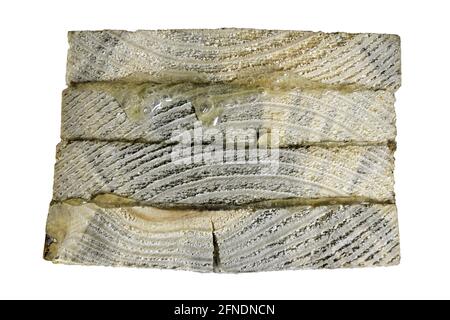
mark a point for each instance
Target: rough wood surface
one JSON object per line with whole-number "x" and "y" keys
{"x": 153, "y": 113}
{"x": 243, "y": 240}
{"x": 308, "y": 237}
{"x": 227, "y": 150}
{"x": 129, "y": 236}
{"x": 147, "y": 174}
{"x": 362, "y": 60}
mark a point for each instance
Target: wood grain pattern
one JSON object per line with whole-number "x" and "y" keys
{"x": 227, "y": 150}
{"x": 153, "y": 113}
{"x": 243, "y": 240}
{"x": 147, "y": 174}
{"x": 309, "y": 237}
{"x": 364, "y": 60}
{"x": 137, "y": 237}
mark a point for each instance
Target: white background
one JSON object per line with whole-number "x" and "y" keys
{"x": 33, "y": 53}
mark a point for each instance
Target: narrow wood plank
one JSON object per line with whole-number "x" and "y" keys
{"x": 162, "y": 175}
{"x": 309, "y": 237}
{"x": 154, "y": 113}
{"x": 129, "y": 236}
{"x": 244, "y": 240}
{"x": 245, "y": 55}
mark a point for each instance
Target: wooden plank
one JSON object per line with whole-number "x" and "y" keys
{"x": 242, "y": 55}
{"x": 244, "y": 240}
{"x": 309, "y": 237}
{"x": 157, "y": 174}
{"x": 154, "y": 113}
{"x": 129, "y": 236}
